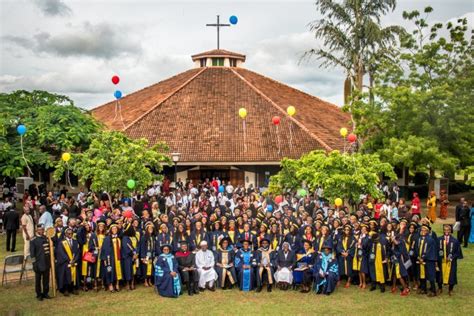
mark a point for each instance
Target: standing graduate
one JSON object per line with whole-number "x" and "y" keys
{"x": 265, "y": 262}
{"x": 129, "y": 255}
{"x": 245, "y": 263}
{"x": 148, "y": 252}
{"x": 345, "y": 254}
{"x": 449, "y": 253}
{"x": 305, "y": 259}
{"x": 426, "y": 261}
{"x": 67, "y": 257}
{"x": 164, "y": 237}
{"x": 398, "y": 256}
{"x": 378, "y": 262}
{"x": 97, "y": 243}
{"x": 276, "y": 239}
{"x": 110, "y": 256}
{"x": 323, "y": 239}
{"x": 87, "y": 264}
{"x": 197, "y": 235}
{"x": 325, "y": 271}
{"x": 285, "y": 262}
{"x": 167, "y": 281}
{"x": 225, "y": 258}
{"x": 361, "y": 258}
{"x": 187, "y": 268}
{"x": 40, "y": 257}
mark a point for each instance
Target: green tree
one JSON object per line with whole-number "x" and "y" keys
{"x": 353, "y": 40}
{"x": 54, "y": 125}
{"x": 423, "y": 112}
{"x": 112, "y": 159}
{"x": 341, "y": 175}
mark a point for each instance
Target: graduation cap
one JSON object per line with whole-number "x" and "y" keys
{"x": 427, "y": 226}
{"x": 264, "y": 239}
{"x": 149, "y": 223}
{"x": 448, "y": 225}
{"x": 327, "y": 245}
{"x": 167, "y": 245}
{"x": 395, "y": 221}
{"x": 225, "y": 239}
{"x": 403, "y": 220}
{"x": 295, "y": 225}
{"x": 414, "y": 224}
{"x": 348, "y": 226}
{"x": 373, "y": 220}
{"x": 243, "y": 241}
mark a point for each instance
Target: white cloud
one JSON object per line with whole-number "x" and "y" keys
{"x": 53, "y": 7}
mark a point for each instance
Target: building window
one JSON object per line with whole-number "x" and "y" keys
{"x": 203, "y": 62}
{"x": 233, "y": 62}
{"x": 218, "y": 61}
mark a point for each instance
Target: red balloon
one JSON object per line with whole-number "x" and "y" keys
{"x": 352, "y": 137}
{"x": 128, "y": 214}
{"x": 276, "y": 120}
{"x": 115, "y": 79}
{"x": 278, "y": 199}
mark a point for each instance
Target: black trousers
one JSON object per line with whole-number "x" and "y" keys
{"x": 42, "y": 283}
{"x": 189, "y": 277}
{"x": 11, "y": 237}
{"x": 463, "y": 235}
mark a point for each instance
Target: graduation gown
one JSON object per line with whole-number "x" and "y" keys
{"x": 246, "y": 275}
{"x": 304, "y": 259}
{"x": 427, "y": 251}
{"x": 275, "y": 241}
{"x": 214, "y": 238}
{"x": 163, "y": 239}
{"x": 377, "y": 268}
{"x": 448, "y": 254}
{"x": 128, "y": 251}
{"x": 346, "y": 245}
{"x": 110, "y": 256}
{"x": 226, "y": 258}
{"x": 322, "y": 240}
{"x": 248, "y": 236}
{"x": 196, "y": 239}
{"x": 294, "y": 241}
{"x": 398, "y": 256}
{"x": 361, "y": 257}
{"x": 325, "y": 273}
{"x": 67, "y": 257}
{"x": 265, "y": 257}
{"x": 147, "y": 254}
{"x": 166, "y": 284}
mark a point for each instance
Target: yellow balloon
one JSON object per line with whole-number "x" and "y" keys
{"x": 343, "y": 132}
{"x": 291, "y": 110}
{"x": 66, "y": 157}
{"x": 338, "y": 202}
{"x": 242, "y": 113}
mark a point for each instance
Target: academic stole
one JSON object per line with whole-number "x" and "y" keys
{"x": 118, "y": 267}
{"x": 344, "y": 246}
{"x": 357, "y": 262}
{"x": 225, "y": 272}
{"x": 422, "y": 265}
{"x": 379, "y": 273}
{"x": 134, "y": 241}
{"x": 149, "y": 261}
{"x": 68, "y": 250}
{"x": 100, "y": 240}
{"x": 266, "y": 254}
{"x": 446, "y": 264}
{"x": 85, "y": 264}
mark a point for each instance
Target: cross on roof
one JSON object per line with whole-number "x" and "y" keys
{"x": 218, "y": 25}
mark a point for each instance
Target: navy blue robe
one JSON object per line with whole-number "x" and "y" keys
{"x": 345, "y": 263}
{"x": 448, "y": 255}
{"x": 64, "y": 272}
{"x": 112, "y": 273}
{"x": 128, "y": 263}
{"x": 220, "y": 270}
{"x": 166, "y": 284}
{"x": 327, "y": 265}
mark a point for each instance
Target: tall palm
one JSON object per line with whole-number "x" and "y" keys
{"x": 352, "y": 39}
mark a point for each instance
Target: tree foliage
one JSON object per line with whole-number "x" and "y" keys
{"x": 112, "y": 159}
{"x": 339, "y": 174}
{"x": 54, "y": 125}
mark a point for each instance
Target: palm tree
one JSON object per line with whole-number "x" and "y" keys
{"x": 354, "y": 40}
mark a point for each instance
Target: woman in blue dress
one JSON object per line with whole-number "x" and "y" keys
{"x": 305, "y": 259}
{"x": 167, "y": 281}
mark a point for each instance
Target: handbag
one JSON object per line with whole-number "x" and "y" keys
{"x": 89, "y": 257}
{"x": 457, "y": 226}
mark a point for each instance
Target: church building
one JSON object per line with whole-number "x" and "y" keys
{"x": 196, "y": 113}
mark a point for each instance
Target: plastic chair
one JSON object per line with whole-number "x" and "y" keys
{"x": 13, "y": 264}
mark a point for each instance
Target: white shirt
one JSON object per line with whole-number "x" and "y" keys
{"x": 229, "y": 188}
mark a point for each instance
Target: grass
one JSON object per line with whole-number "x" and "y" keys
{"x": 20, "y": 299}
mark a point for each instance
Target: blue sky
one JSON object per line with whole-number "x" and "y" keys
{"x": 73, "y": 47}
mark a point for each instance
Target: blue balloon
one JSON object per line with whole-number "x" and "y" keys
{"x": 233, "y": 20}
{"x": 269, "y": 208}
{"x": 118, "y": 94}
{"x": 221, "y": 189}
{"x": 21, "y": 129}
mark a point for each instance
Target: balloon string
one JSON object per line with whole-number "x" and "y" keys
{"x": 23, "y": 154}
{"x": 68, "y": 180}
{"x": 278, "y": 139}
{"x": 116, "y": 108}
{"x": 245, "y": 134}
{"x": 120, "y": 112}
{"x": 291, "y": 135}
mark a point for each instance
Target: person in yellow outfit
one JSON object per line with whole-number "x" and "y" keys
{"x": 431, "y": 204}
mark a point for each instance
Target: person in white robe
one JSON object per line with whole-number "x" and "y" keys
{"x": 205, "y": 265}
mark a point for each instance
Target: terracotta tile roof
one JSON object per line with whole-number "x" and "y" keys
{"x": 218, "y": 53}
{"x": 196, "y": 114}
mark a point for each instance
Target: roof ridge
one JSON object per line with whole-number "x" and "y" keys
{"x": 274, "y": 104}
{"x": 164, "y": 99}
{"x": 292, "y": 88}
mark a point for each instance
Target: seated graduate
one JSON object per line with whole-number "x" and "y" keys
{"x": 225, "y": 257}
{"x": 245, "y": 263}
{"x": 265, "y": 262}
{"x": 187, "y": 268}
{"x": 378, "y": 262}
{"x": 148, "y": 252}
{"x": 67, "y": 257}
{"x": 110, "y": 255}
{"x": 167, "y": 279}
{"x": 325, "y": 271}
{"x": 304, "y": 263}
{"x": 285, "y": 262}
{"x": 345, "y": 254}
{"x": 449, "y": 253}
{"x": 205, "y": 266}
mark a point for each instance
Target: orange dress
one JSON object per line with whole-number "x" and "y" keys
{"x": 443, "y": 210}
{"x": 431, "y": 203}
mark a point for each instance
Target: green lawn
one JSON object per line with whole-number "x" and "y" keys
{"x": 20, "y": 299}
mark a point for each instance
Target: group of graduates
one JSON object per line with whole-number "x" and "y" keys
{"x": 252, "y": 248}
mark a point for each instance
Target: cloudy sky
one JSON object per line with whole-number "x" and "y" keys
{"x": 73, "y": 47}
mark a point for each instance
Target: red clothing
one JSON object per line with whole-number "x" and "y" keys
{"x": 215, "y": 184}
{"x": 415, "y": 205}
{"x": 378, "y": 206}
